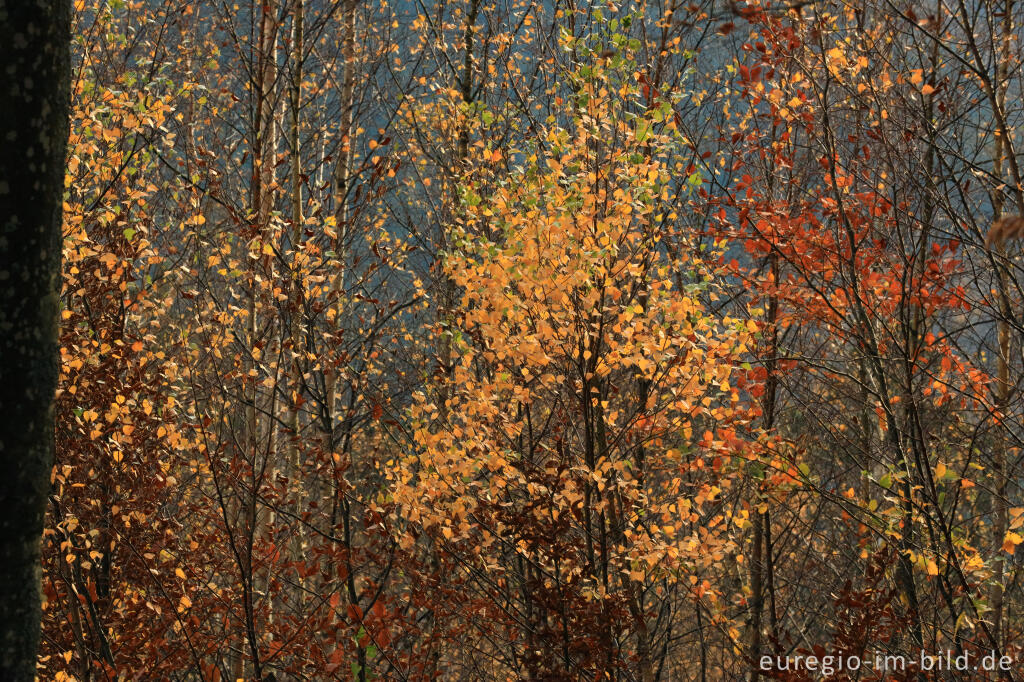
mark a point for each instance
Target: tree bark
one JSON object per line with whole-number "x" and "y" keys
{"x": 34, "y": 121}
{"x": 1000, "y": 512}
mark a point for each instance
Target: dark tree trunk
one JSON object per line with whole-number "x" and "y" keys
{"x": 34, "y": 100}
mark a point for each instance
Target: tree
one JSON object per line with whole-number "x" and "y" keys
{"x": 571, "y": 467}
{"x": 35, "y": 83}
{"x": 856, "y": 197}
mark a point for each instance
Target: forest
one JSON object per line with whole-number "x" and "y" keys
{"x": 541, "y": 340}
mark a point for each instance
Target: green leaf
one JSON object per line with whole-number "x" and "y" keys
{"x": 643, "y": 127}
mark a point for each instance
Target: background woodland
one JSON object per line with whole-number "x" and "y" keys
{"x": 536, "y": 340}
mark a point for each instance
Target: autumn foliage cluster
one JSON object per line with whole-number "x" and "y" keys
{"x": 465, "y": 340}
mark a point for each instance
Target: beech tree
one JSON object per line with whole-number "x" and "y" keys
{"x": 571, "y": 468}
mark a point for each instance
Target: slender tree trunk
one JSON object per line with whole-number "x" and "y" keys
{"x": 34, "y": 120}
{"x": 265, "y": 130}
{"x": 261, "y": 432}
{"x": 1000, "y": 521}
{"x": 344, "y": 176}
{"x": 342, "y": 213}
{"x": 757, "y": 598}
{"x": 762, "y": 520}
{"x": 343, "y": 168}
{"x": 294, "y": 464}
